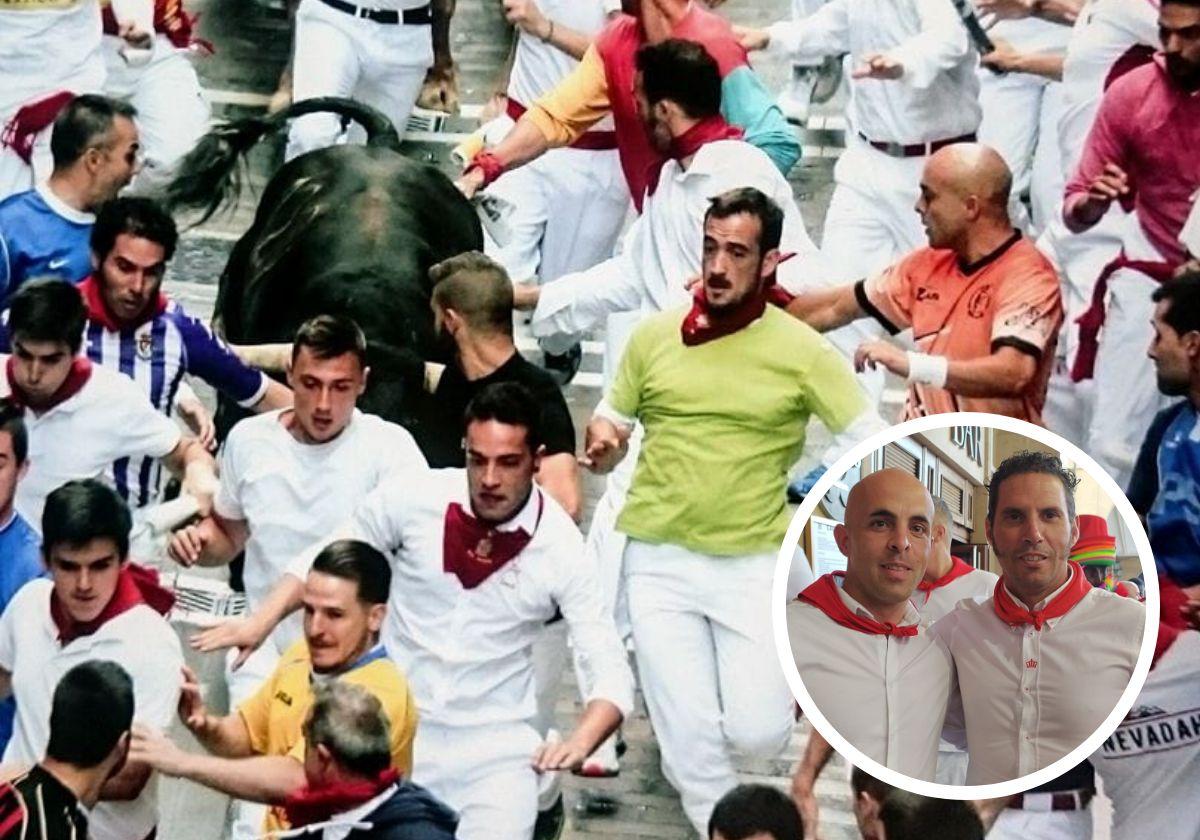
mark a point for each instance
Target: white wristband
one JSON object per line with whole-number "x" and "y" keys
{"x": 927, "y": 369}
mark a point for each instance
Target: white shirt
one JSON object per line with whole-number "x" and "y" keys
{"x": 139, "y": 640}
{"x": 538, "y": 67}
{"x": 1103, "y": 32}
{"x": 1151, "y": 763}
{"x": 1030, "y": 697}
{"x": 81, "y": 437}
{"x": 292, "y": 494}
{"x": 466, "y": 652}
{"x": 977, "y": 585}
{"x": 886, "y": 695}
{"x": 46, "y": 46}
{"x": 663, "y": 248}
{"x": 936, "y": 98}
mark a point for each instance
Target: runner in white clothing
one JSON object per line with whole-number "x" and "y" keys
{"x": 97, "y": 605}
{"x": 481, "y": 560}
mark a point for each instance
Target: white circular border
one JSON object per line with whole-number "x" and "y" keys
{"x": 779, "y": 597}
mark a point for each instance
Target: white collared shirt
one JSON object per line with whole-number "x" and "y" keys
{"x": 662, "y": 250}
{"x": 1030, "y": 696}
{"x": 466, "y": 652}
{"x": 977, "y": 585}
{"x": 886, "y": 695}
{"x": 1151, "y": 762}
{"x": 936, "y": 98}
{"x": 81, "y": 437}
{"x": 139, "y": 640}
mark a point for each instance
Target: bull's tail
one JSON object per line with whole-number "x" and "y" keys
{"x": 209, "y": 175}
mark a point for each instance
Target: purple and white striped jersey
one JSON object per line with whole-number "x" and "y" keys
{"x": 156, "y": 354}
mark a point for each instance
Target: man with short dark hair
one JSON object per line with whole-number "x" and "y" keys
{"x": 472, "y": 304}
{"x": 348, "y": 777}
{"x": 1028, "y": 696}
{"x": 884, "y": 812}
{"x": 83, "y": 418}
{"x": 707, "y": 509}
{"x": 481, "y": 560}
{"x": 1138, "y": 155}
{"x": 134, "y": 327}
{"x": 98, "y": 604}
{"x": 258, "y": 751}
{"x": 90, "y": 717}
{"x": 44, "y": 231}
{"x": 1165, "y": 488}
{"x": 290, "y": 475}
{"x": 20, "y": 546}
{"x": 755, "y": 812}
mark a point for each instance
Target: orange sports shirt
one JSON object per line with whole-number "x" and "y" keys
{"x": 1010, "y": 298}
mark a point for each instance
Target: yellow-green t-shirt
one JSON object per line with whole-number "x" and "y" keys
{"x": 724, "y": 422}
{"x": 275, "y": 715}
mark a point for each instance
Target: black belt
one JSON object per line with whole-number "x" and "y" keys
{"x": 1075, "y": 800}
{"x": 903, "y": 150}
{"x": 411, "y": 17}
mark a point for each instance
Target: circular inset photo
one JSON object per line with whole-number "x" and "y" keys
{"x": 965, "y": 606}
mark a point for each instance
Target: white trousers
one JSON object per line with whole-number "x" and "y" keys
{"x": 382, "y": 65}
{"x": 484, "y": 773}
{"x": 172, "y": 113}
{"x": 569, "y": 208}
{"x": 1126, "y": 395}
{"x": 1017, "y": 824}
{"x": 707, "y": 663}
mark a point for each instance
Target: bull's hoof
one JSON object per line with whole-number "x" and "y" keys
{"x": 563, "y": 367}
{"x": 440, "y": 91}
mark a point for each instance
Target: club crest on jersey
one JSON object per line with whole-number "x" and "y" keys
{"x": 143, "y": 344}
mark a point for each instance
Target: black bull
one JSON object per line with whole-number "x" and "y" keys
{"x": 346, "y": 230}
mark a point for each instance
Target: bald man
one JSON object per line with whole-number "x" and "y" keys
{"x": 983, "y": 305}
{"x": 859, "y": 643}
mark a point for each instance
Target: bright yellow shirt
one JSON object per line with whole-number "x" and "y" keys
{"x": 275, "y": 715}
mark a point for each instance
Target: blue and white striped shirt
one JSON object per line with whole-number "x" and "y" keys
{"x": 156, "y": 354}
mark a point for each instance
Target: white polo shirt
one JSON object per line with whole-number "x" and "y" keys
{"x": 1030, "y": 696}
{"x": 110, "y": 419}
{"x": 139, "y": 640}
{"x": 886, "y": 695}
{"x": 977, "y": 585}
{"x": 293, "y": 494}
{"x": 1151, "y": 762}
{"x": 466, "y": 652}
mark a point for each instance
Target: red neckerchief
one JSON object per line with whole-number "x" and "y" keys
{"x": 473, "y": 550}
{"x": 97, "y": 309}
{"x": 958, "y": 568}
{"x": 135, "y": 585}
{"x": 1170, "y": 620}
{"x": 315, "y": 805}
{"x": 823, "y": 594}
{"x": 701, "y": 325}
{"x": 1015, "y": 613}
{"x": 170, "y": 19}
{"x": 708, "y": 130}
{"x": 77, "y": 377}
{"x": 21, "y": 131}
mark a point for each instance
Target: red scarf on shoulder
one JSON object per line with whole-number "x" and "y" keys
{"x": 309, "y": 805}
{"x": 1015, "y": 613}
{"x": 708, "y": 130}
{"x": 135, "y": 585}
{"x": 958, "y": 568}
{"x": 823, "y": 594}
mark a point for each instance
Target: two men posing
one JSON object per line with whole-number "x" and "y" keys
{"x": 1006, "y": 670}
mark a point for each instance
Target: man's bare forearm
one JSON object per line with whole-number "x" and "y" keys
{"x": 1003, "y": 374}
{"x": 269, "y": 779}
{"x": 523, "y": 144}
{"x": 225, "y": 737}
{"x": 817, "y": 753}
{"x": 826, "y": 309}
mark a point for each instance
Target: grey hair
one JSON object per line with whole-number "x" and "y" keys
{"x": 941, "y": 512}
{"x": 349, "y": 721}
